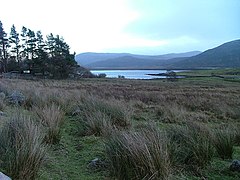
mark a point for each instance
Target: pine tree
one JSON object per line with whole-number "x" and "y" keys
{"x": 15, "y": 42}
{"x": 23, "y": 51}
{"x": 31, "y": 43}
{"x": 41, "y": 60}
{"x": 3, "y": 48}
{"x": 61, "y": 62}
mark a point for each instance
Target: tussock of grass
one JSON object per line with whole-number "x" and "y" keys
{"x": 98, "y": 123}
{"x": 99, "y": 116}
{"x": 237, "y": 134}
{"x": 139, "y": 155}
{"x": 21, "y": 148}
{"x": 223, "y": 141}
{"x": 52, "y": 118}
{"x": 191, "y": 146}
{"x": 2, "y": 104}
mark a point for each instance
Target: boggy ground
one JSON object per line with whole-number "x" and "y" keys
{"x": 118, "y": 120}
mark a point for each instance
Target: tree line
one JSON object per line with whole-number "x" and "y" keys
{"x": 29, "y": 51}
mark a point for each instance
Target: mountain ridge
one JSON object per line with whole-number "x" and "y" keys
{"x": 93, "y": 60}
{"x": 223, "y": 56}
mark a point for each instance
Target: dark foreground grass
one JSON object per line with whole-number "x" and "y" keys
{"x": 139, "y": 155}
{"x": 21, "y": 148}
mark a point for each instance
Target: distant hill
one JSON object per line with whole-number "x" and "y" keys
{"x": 91, "y": 57}
{"x": 128, "y": 61}
{"x": 225, "y": 55}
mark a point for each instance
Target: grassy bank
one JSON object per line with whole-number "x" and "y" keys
{"x": 125, "y": 129}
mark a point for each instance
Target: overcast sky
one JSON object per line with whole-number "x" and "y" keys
{"x": 133, "y": 26}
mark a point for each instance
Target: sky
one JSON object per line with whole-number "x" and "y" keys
{"x": 133, "y": 26}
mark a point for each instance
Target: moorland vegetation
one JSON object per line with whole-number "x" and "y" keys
{"x": 120, "y": 128}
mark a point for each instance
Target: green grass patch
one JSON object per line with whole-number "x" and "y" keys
{"x": 71, "y": 157}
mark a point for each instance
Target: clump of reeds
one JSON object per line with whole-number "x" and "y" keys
{"x": 97, "y": 123}
{"x": 2, "y": 104}
{"x": 191, "y": 146}
{"x": 21, "y": 148}
{"x": 98, "y": 116}
{"x": 223, "y": 141}
{"x": 237, "y": 134}
{"x": 139, "y": 155}
{"x": 51, "y": 116}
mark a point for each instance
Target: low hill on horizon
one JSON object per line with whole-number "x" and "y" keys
{"x": 224, "y": 56}
{"x": 127, "y": 60}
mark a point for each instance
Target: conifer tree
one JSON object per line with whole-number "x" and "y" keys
{"x": 15, "y": 42}
{"x": 3, "y": 48}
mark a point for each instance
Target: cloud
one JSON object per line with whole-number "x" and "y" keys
{"x": 200, "y": 19}
{"x": 128, "y": 25}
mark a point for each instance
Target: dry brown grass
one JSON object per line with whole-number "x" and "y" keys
{"x": 202, "y": 101}
{"x": 21, "y": 148}
{"x": 139, "y": 155}
{"x": 51, "y": 116}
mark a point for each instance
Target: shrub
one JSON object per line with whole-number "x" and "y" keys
{"x": 51, "y": 116}
{"x": 138, "y": 155}
{"x": 101, "y": 75}
{"x": 21, "y": 148}
{"x": 223, "y": 141}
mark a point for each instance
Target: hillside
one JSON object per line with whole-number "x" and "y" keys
{"x": 128, "y": 61}
{"x": 225, "y": 55}
{"x": 91, "y": 57}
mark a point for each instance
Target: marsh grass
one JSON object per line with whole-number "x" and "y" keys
{"x": 2, "y": 104}
{"x": 191, "y": 146}
{"x": 236, "y": 129}
{"x": 138, "y": 155}
{"x": 97, "y": 123}
{"x": 21, "y": 148}
{"x": 102, "y": 109}
{"x": 51, "y": 117}
{"x": 223, "y": 141}
{"x": 99, "y": 116}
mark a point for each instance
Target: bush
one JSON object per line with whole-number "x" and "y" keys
{"x": 138, "y": 155}
{"x": 101, "y": 75}
{"x": 21, "y": 148}
{"x": 51, "y": 116}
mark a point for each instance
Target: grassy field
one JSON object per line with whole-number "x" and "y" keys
{"x": 120, "y": 128}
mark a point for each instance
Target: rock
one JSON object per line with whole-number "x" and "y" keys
{"x": 96, "y": 164}
{"x": 76, "y": 111}
{"x": 2, "y": 114}
{"x": 235, "y": 166}
{"x": 16, "y": 98}
{"x": 4, "y": 177}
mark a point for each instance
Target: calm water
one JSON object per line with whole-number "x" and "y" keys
{"x": 131, "y": 74}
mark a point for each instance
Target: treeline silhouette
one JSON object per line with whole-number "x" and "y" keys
{"x": 30, "y": 52}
